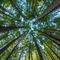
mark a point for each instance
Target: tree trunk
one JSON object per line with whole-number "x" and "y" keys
{"x": 7, "y": 58}
{"x": 31, "y": 56}
{"x": 38, "y": 49}
{"x": 54, "y": 39}
{"x": 51, "y": 8}
{"x": 5, "y": 29}
{"x": 6, "y": 10}
{"x": 5, "y": 14}
{"x": 49, "y": 52}
{"x": 29, "y": 50}
{"x": 53, "y": 51}
{"x": 13, "y": 4}
{"x": 21, "y": 54}
{"x": 8, "y": 16}
{"x": 9, "y": 44}
{"x": 4, "y": 36}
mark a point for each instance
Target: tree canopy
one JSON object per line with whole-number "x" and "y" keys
{"x": 29, "y": 29}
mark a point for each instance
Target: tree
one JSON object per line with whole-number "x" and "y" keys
{"x": 20, "y": 38}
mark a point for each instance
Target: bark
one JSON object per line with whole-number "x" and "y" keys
{"x": 51, "y": 8}
{"x": 5, "y": 29}
{"x": 38, "y": 49}
{"x": 54, "y": 39}
{"x": 53, "y": 51}
{"x": 9, "y": 44}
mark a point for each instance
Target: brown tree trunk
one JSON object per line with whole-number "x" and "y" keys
{"x": 51, "y": 8}
{"x": 5, "y": 29}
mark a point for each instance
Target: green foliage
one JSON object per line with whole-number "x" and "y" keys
{"x": 1, "y": 1}
{"x": 41, "y": 33}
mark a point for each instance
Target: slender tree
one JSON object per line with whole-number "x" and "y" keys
{"x": 4, "y": 36}
{"x": 5, "y": 29}
{"x": 9, "y": 44}
{"x": 53, "y": 51}
{"x": 13, "y": 4}
{"x": 2, "y": 12}
{"x": 38, "y": 49}
{"x": 52, "y": 57}
{"x": 29, "y": 50}
{"x": 20, "y": 54}
{"x": 7, "y": 58}
{"x": 54, "y": 39}
{"x": 52, "y": 7}
{"x": 1, "y": 7}
{"x": 31, "y": 56}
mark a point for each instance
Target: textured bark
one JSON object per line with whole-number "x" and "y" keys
{"x": 9, "y": 44}
{"x": 38, "y": 49}
{"x": 5, "y": 29}
{"x": 51, "y": 8}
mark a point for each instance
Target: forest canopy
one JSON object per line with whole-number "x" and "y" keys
{"x": 29, "y": 29}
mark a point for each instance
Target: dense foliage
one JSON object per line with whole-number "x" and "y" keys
{"x": 29, "y": 29}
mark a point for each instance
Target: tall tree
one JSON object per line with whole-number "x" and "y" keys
{"x": 38, "y": 49}
{"x": 5, "y": 29}
{"x": 54, "y": 39}
{"x": 53, "y": 51}
{"x": 9, "y": 44}
{"x": 52, "y": 7}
